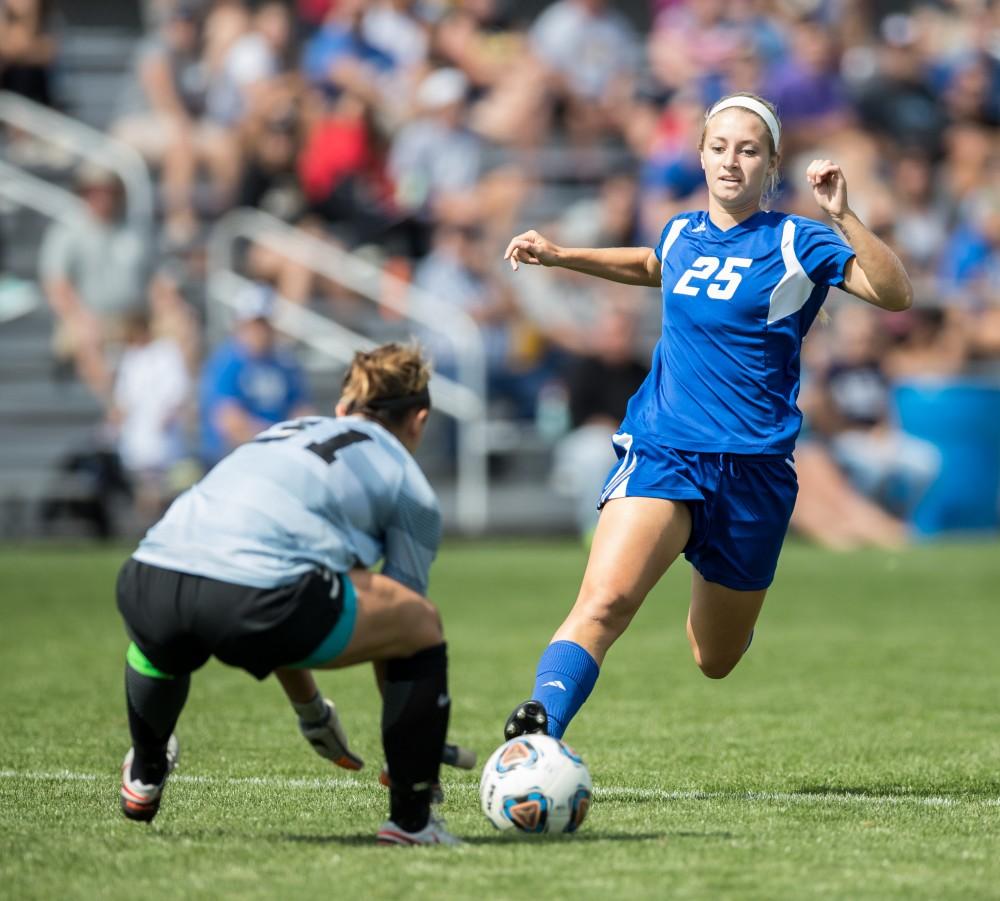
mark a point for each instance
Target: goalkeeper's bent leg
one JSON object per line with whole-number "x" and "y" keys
{"x": 154, "y": 700}
{"x": 415, "y": 711}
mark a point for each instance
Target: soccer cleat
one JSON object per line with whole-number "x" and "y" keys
{"x": 139, "y": 800}
{"x": 459, "y": 757}
{"x": 434, "y": 833}
{"x": 437, "y": 793}
{"x": 528, "y": 718}
{"x": 452, "y": 755}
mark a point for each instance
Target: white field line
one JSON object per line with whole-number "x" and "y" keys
{"x": 610, "y": 792}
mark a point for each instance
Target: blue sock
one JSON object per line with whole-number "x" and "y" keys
{"x": 563, "y": 681}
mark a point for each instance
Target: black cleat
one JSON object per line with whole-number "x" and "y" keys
{"x": 528, "y": 718}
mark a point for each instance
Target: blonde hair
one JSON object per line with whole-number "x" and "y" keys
{"x": 772, "y": 180}
{"x": 387, "y": 383}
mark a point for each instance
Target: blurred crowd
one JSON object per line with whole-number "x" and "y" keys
{"x": 423, "y": 133}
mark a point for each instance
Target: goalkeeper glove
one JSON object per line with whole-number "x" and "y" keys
{"x": 320, "y": 725}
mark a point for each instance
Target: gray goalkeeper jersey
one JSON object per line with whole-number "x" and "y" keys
{"x": 312, "y": 492}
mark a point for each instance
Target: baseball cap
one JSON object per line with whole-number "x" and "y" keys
{"x": 442, "y": 88}
{"x": 256, "y": 301}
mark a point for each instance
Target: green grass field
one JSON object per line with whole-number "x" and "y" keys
{"x": 855, "y": 753}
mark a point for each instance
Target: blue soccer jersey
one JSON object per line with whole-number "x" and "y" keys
{"x": 736, "y": 305}
{"x": 268, "y": 387}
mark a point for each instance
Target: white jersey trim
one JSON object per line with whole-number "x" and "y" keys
{"x": 675, "y": 229}
{"x": 792, "y": 292}
{"x": 618, "y": 483}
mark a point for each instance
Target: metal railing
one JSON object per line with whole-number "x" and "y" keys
{"x": 88, "y": 143}
{"x": 462, "y": 397}
{"x": 25, "y": 189}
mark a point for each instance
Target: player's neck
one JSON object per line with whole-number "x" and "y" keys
{"x": 725, "y": 218}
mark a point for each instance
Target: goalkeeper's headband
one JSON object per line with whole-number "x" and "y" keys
{"x": 754, "y": 106}
{"x": 420, "y": 400}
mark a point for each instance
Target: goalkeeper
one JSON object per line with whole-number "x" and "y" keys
{"x": 263, "y": 564}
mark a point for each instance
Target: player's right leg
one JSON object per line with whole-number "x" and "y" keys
{"x": 637, "y": 539}
{"x": 400, "y": 627}
{"x": 154, "y": 700}
{"x": 158, "y": 665}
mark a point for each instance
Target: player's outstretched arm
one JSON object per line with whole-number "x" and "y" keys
{"x": 318, "y": 719}
{"x": 876, "y": 273}
{"x": 628, "y": 265}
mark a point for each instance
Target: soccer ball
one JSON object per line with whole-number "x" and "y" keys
{"x": 535, "y": 784}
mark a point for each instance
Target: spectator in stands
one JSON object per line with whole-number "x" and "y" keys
{"x": 249, "y": 383}
{"x": 666, "y": 141}
{"x": 830, "y": 512}
{"x": 970, "y": 264}
{"x": 149, "y": 405}
{"x": 920, "y": 228}
{"x": 339, "y": 56}
{"x": 165, "y": 121}
{"x": 808, "y": 88}
{"x": 271, "y": 137}
{"x": 478, "y": 37}
{"x": 439, "y": 166}
{"x": 898, "y": 102}
{"x": 343, "y": 173}
{"x": 969, "y": 158}
{"x": 972, "y": 92}
{"x": 848, "y": 403}
{"x": 172, "y": 317}
{"x": 690, "y": 44}
{"x": 251, "y": 60}
{"x": 590, "y": 49}
{"x": 435, "y": 161}
{"x": 458, "y": 271}
{"x": 930, "y": 342}
{"x": 601, "y": 375}
{"x": 27, "y": 49}
{"x": 94, "y": 270}
{"x": 399, "y": 28}
{"x": 510, "y": 103}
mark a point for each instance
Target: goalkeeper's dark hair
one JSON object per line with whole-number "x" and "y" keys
{"x": 387, "y": 383}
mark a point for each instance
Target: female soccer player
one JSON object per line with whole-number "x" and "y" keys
{"x": 705, "y": 448}
{"x": 258, "y": 565}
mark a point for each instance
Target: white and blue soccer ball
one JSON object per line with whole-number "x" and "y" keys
{"x": 535, "y": 784}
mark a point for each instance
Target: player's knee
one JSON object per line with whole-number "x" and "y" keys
{"x": 606, "y": 606}
{"x": 715, "y": 665}
{"x": 422, "y": 627}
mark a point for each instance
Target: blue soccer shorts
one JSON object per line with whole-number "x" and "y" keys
{"x": 740, "y": 504}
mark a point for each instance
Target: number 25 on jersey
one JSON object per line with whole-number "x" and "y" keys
{"x": 722, "y": 284}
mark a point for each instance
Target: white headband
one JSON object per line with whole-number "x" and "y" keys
{"x": 755, "y": 106}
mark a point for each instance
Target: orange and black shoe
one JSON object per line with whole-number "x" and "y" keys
{"x": 452, "y": 755}
{"x": 437, "y": 793}
{"x": 139, "y": 800}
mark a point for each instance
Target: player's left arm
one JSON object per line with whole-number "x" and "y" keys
{"x": 412, "y": 537}
{"x": 875, "y": 273}
{"x": 319, "y": 722}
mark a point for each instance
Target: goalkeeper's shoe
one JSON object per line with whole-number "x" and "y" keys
{"x": 140, "y": 800}
{"x": 528, "y": 718}
{"x": 437, "y": 793}
{"x": 452, "y": 755}
{"x": 434, "y": 833}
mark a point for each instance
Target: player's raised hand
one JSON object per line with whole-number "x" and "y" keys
{"x": 531, "y": 248}
{"x": 829, "y": 186}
